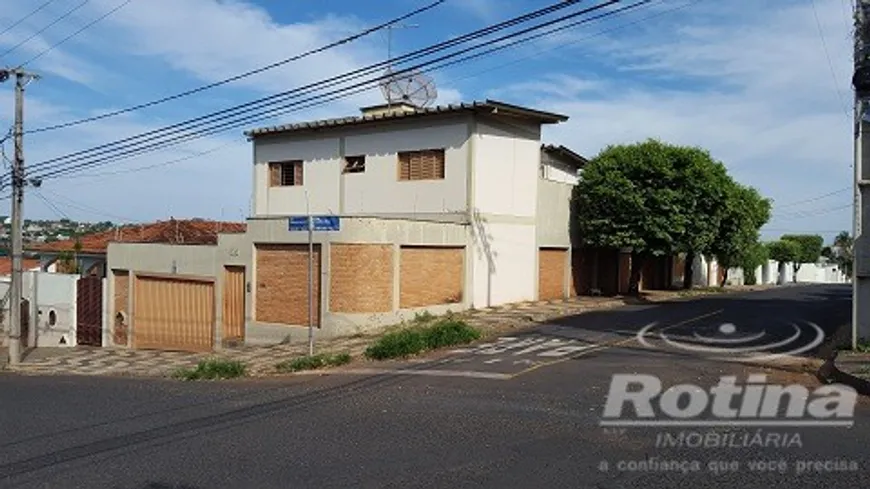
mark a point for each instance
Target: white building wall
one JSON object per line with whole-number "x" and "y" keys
{"x": 504, "y": 263}
{"x": 506, "y": 165}
{"x": 321, "y": 172}
{"x": 47, "y": 293}
{"x": 553, "y": 222}
{"x": 379, "y": 191}
{"x": 554, "y": 170}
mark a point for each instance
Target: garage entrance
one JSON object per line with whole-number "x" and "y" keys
{"x": 173, "y": 313}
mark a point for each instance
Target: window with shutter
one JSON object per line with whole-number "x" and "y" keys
{"x": 285, "y": 173}
{"x": 421, "y": 165}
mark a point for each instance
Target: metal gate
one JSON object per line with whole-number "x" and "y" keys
{"x": 89, "y": 311}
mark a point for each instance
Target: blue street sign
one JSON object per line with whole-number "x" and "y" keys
{"x": 320, "y": 223}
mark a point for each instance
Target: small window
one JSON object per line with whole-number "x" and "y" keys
{"x": 421, "y": 165}
{"x": 354, "y": 164}
{"x": 285, "y": 173}
{"x": 52, "y": 318}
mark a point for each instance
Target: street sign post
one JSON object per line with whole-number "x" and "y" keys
{"x": 312, "y": 223}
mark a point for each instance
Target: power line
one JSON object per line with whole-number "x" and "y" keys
{"x": 813, "y": 212}
{"x": 246, "y": 74}
{"x": 514, "y": 61}
{"x": 820, "y": 197}
{"x": 53, "y": 207}
{"x": 158, "y": 165}
{"x": 179, "y": 128}
{"x": 74, "y": 34}
{"x": 830, "y": 63}
{"x": 63, "y": 16}
{"x": 574, "y": 41}
{"x": 88, "y": 209}
{"x": 32, "y": 12}
{"x": 277, "y": 98}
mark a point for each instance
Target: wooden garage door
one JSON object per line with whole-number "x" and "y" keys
{"x": 173, "y": 313}
{"x": 551, "y": 273}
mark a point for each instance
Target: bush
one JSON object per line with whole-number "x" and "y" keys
{"x": 313, "y": 362}
{"x": 212, "y": 369}
{"x": 397, "y": 344}
{"x": 412, "y": 341}
{"x": 448, "y": 333}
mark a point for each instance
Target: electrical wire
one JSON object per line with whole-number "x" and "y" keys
{"x": 271, "y": 113}
{"x": 830, "y": 62}
{"x": 813, "y": 199}
{"x": 74, "y": 34}
{"x": 51, "y": 205}
{"x": 573, "y": 41}
{"x": 241, "y": 76}
{"x": 84, "y": 208}
{"x": 811, "y": 213}
{"x": 278, "y": 97}
{"x": 63, "y": 16}
{"x": 31, "y": 14}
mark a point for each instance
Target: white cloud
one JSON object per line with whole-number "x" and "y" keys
{"x": 756, "y": 90}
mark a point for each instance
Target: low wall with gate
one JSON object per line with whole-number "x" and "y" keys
{"x": 50, "y": 309}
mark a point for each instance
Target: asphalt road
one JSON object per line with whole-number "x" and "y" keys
{"x": 535, "y": 424}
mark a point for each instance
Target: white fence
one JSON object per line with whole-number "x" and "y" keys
{"x": 52, "y": 308}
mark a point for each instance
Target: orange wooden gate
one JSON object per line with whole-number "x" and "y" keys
{"x": 234, "y": 303}
{"x": 173, "y": 313}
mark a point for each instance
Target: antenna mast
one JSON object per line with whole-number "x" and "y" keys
{"x": 390, "y": 45}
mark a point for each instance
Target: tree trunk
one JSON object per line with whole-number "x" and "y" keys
{"x": 724, "y": 279}
{"x": 795, "y": 268}
{"x": 689, "y": 271}
{"x": 637, "y": 261}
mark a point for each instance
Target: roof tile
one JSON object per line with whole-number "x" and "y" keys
{"x": 192, "y": 232}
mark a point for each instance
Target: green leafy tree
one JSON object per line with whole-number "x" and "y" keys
{"x": 842, "y": 252}
{"x": 745, "y": 212}
{"x": 809, "y": 249}
{"x": 702, "y": 200}
{"x": 753, "y": 257}
{"x": 783, "y": 251}
{"x": 649, "y": 197}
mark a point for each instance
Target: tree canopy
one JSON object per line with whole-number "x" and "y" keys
{"x": 659, "y": 199}
{"x": 745, "y": 212}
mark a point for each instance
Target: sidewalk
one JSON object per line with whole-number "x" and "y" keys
{"x": 857, "y": 364}
{"x": 262, "y": 360}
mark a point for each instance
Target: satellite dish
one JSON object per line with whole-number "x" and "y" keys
{"x": 411, "y": 87}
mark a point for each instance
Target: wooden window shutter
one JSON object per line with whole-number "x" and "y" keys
{"x": 297, "y": 173}
{"x": 274, "y": 174}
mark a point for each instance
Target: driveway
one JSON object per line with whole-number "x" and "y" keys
{"x": 534, "y": 426}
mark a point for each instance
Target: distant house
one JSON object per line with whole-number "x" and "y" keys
{"x": 90, "y": 257}
{"x": 28, "y": 265}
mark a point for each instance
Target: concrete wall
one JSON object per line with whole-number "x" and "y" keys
{"x": 395, "y": 232}
{"x": 47, "y": 293}
{"x": 556, "y": 169}
{"x": 378, "y": 189}
{"x": 507, "y": 159}
{"x": 554, "y": 213}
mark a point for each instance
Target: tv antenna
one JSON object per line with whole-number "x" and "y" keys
{"x": 409, "y": 87}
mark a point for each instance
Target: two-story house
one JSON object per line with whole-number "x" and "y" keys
{"x": 442, "y": 208}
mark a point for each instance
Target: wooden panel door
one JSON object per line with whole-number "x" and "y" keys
{"x": 173, "y": 313}
{"x": 234, "y": 303}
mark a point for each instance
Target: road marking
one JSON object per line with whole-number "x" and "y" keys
{"x": 429, "y": 373}
{"x": 606, "y": 346}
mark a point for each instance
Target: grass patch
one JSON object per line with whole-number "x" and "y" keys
{"x": 314, "y": 362}
{"x": 414, "y": 340}
{"x": 212, "y": 369}
{"x": 863, "y": 346}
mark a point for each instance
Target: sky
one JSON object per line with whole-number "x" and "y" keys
{"x": 763, "y": 84}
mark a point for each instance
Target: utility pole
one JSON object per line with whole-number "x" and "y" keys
{"x": 22, "y": 78}
{"x": 861, "y": 247}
